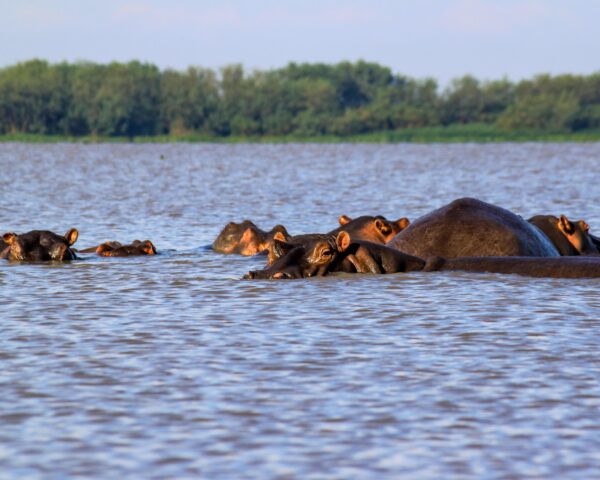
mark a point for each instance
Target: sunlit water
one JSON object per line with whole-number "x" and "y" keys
{"x": 174, "y": 367}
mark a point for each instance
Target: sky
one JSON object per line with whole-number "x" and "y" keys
{"x": 443, "y": 39}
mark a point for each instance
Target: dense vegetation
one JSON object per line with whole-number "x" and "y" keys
{"x": 300, "y": 100}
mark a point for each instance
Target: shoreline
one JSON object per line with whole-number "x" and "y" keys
{"x": 450, "y": 134}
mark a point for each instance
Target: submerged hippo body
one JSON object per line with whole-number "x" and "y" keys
{"x": 550, "y": 267}
{"x": 39, "y": 246}
{"x": 569, "y": 238}
{"x": 246, "y": 238}
{"x": 468, "y": 227}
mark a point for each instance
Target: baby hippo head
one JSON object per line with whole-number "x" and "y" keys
{"x": 313, "y": 258}
{"x": 39, "y": 245}
{"x": 115, "y": 249}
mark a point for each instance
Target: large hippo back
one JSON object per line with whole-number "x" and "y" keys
{"x": 469, "y": 227}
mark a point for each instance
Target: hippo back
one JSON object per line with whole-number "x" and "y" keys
{"x": 469, "y": 227}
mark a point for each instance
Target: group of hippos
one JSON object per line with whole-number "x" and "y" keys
{"x": 466, "y": 235}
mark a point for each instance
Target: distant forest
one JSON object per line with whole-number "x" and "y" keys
{"x": 138, "y": 99}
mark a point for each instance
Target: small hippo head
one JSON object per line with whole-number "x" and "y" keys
{"x": 577, "y": 233}
{"x": 314, "y": 258}
{"x": 376, "y": 229}
{"x": 40, "y": 245}
{"x": 115, "y": 249}
{"x": 246, "y": 238}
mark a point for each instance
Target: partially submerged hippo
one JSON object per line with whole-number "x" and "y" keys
{"x": 342, "y": 253}
{"x": 569, "y": 238}
{"x": 116, "y": 249}
{"x": 38, "y": 246}
{"x": 337, "y": 253}
{"x": 246, "y": 238}
{"x": 375, "y": 229}
{"x": 468, "y": 227}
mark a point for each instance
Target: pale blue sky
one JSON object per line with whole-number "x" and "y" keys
{"x": 439, "y": 38}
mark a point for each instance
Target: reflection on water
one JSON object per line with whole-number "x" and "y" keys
{"x": 173, "y": 367}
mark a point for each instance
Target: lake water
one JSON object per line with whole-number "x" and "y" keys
{"x": 173, "y": 367}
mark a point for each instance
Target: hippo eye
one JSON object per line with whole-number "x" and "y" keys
{"x": 326, "y": 253}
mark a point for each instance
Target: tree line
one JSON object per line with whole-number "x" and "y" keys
{"x": 138, "y": 99}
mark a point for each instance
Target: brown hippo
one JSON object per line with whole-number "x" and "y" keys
{"x": 246, "y": 238}
{"x": 471, "y": 228}
{"x": 375, "y": 229}
{"x": 569, "y": 238}
{"x": 112, "y": 244}
{"x": 344, "y": 254}
{"x": 116, "y": 249}
{"x": 336, "y": 253}
{"x": 39, "y": 245}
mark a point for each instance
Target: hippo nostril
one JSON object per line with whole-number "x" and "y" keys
{"x": 249, "y": 276}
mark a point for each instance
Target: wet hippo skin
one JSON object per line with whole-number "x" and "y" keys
{"x": 566, "y": 267}
{"x": 468, "y": 227}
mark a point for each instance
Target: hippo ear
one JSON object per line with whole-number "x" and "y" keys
{"x": 282, "y": 248}
{"x": 344, "y": 219}
{"x": 148, "y": 247}
{"x": 280, "y": 237}
{"x": 248, "y": 235}
{"x": 565, "y": 225}
{"x": 584, "y": 226}
{"x": 71, "y": 236}
{"x": 343, "y": 241}
{"x": 102, "y": 249}
{"x": 403, "y": 223}
{"x": 382, "y": 226}
{"x": 280, "y": 229}
{"x": 9, "y": 238}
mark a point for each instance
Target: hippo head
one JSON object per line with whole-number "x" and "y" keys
{"x": 314, "y": 258}
{"x": 115, "y": 249}
{"x": 577, "y": 233}
{"x": 40, "y": 245}
{"x": 145, "y": 248}
{"x": 376, "y": 229}
{"x": 246, "y": 238}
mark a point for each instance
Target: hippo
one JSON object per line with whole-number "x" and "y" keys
{"x": 246, "y": 238}
{"x": 468, "y": 227}
{"x": 343, "y": 254}
{"x": 116, "y": 249}
{"x": 39, "y": 245}
{"x": 111, "y": 244}
{"x": 569, "y": 238}
{"x": 336, "y": 253}
{"x": 376, "y": 229}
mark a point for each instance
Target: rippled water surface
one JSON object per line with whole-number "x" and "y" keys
{"x": 171, "y": 366}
